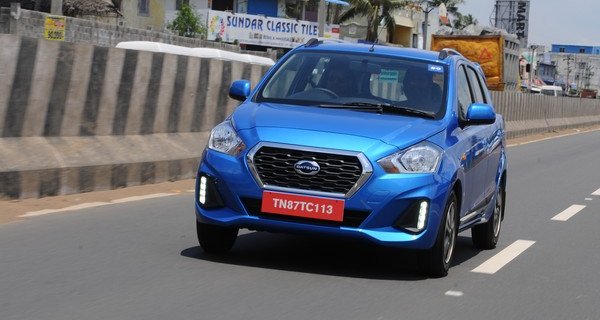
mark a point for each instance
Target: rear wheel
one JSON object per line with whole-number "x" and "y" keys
{"x": 436, "y": 261}
{"x": 485, "y": 236}
{"x": 215, "y": 239}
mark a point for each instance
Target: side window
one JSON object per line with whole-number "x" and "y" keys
{"x": 463, "y": 91}
{"x": 476, "y": 86}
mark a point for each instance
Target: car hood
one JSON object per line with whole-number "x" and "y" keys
{"x": 397, "y": 130}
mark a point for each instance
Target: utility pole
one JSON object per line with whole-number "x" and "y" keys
{"x": 532, "y": 48}
{"x": 568, "y": 58}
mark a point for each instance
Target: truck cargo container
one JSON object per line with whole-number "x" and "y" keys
{"x": 498, "y": 56}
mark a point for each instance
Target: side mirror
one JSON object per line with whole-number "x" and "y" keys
{"x": 239, "y": 90}
{"x": 480, "y": 113}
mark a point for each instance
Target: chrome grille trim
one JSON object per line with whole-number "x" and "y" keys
{"x": 367, "y": 169}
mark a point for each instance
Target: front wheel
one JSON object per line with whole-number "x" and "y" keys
{"x": 485, "y": 236}
{"x": 436, "y": 261}
{"x": 215, "y": 239}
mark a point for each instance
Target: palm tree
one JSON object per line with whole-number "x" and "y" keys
{"x": 376, "y": 12}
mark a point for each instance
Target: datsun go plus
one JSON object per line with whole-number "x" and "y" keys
{"x": 400, "y": 147}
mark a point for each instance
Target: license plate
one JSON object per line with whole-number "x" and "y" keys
{"x": 303, "y": 206}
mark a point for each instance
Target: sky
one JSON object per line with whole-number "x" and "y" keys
{"x": 550, "y": 21}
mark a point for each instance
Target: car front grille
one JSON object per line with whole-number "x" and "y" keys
{"x": 339, "y": 173}
{"x": 352, "y": 218}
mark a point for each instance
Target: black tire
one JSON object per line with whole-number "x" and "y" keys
{"x": 436, "y": 261}
{"x": 485, "y": 236}
{"x": 215, "y": 239}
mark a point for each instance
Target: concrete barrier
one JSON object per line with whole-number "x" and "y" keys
{"x": 527, "y": 114}
{"x": 77, "y": 118}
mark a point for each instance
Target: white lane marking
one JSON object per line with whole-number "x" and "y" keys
{"x": 137, "y": 198}
{"x": 589, "y": 199}
{"x": 502, "y": 258}
{"x": 191, "y": 190}
{"x": 95, "y": 204}
{"x": 568, "y": 213}
{"x": 452, "y": 293}
{"x": 596, "y": 193}
{"x": 71, "y": 208}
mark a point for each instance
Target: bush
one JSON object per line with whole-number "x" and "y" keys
{"x": 187, "y": 23}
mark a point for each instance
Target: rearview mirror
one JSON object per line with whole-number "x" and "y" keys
{"x": 239, "y": 90}
{"x": 480, "y": 113}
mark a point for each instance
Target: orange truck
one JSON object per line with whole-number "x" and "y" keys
{"x": 497, "y": 55}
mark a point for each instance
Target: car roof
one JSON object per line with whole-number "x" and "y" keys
{"x": 377, "y": 49}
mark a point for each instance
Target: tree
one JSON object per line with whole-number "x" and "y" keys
{"x": 462, "y": 21}
{"x": 80, "y": 8}
{"x": 376, "y": 12}
{"x": 187, "y": 23}
{"x": 428, "y": 5}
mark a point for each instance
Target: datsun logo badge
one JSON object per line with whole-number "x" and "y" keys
{"x": 307, "y": 168}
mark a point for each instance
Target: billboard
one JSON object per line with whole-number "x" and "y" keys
{"x": 263, "y": 31}
{"x": 513, "y": 16}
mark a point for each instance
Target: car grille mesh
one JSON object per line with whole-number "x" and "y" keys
{"x": 275, "y": 167}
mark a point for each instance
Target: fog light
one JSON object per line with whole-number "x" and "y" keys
{"x": 208, "y": 193}
{"x": 422, "y": 215}
{"x": 413, "y": 217}
{"x": 202, "y": 191}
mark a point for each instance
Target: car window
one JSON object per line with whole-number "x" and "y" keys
{"x": 313, "y": 78}
{"x": 464, "y": 93}
{"x": 476, "y": 85}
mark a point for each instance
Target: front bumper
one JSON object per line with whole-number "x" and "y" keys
{"x": 371, "y": 213}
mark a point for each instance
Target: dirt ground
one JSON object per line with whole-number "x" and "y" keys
{"x": 10, "y": 210}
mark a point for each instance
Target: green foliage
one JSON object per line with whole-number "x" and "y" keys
{"x": 187, "y": 23}
{"x": 462, "y": 21}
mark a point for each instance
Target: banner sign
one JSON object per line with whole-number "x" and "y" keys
{"x": 54, "y": 28}
{"x": 264, "y": 31}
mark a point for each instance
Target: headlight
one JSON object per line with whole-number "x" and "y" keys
{"x": 223, "y": 138}
{"x": 421, "y": 158}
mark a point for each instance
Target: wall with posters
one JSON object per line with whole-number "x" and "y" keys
{"x": 263, "y": 31}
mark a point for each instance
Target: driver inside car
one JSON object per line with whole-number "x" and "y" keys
{"x": 420, "y": 90}
{"x": 339, "y": 80}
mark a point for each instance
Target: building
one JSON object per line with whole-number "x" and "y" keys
{"x": 144, "y": 14}
{"x": 578, "y": 70}
{"x": 408, "y": 30}
{"x": 547, "y": 72}
{"x": 567, "y": 48}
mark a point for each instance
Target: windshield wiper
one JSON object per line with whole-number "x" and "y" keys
{"x": 381, "y": 108}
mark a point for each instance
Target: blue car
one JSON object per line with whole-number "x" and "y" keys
{"x": 400, "y": 147}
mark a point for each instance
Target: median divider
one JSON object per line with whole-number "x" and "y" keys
{"x": 77, "y": 118}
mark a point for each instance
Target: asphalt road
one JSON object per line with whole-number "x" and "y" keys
{"x": 140, "y": 260}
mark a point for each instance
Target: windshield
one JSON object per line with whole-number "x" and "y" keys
{"x": 322, "y": 78}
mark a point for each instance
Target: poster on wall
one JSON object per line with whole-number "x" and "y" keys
{"x": 54, "y": 28}
{"x": 263, "y": 31}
